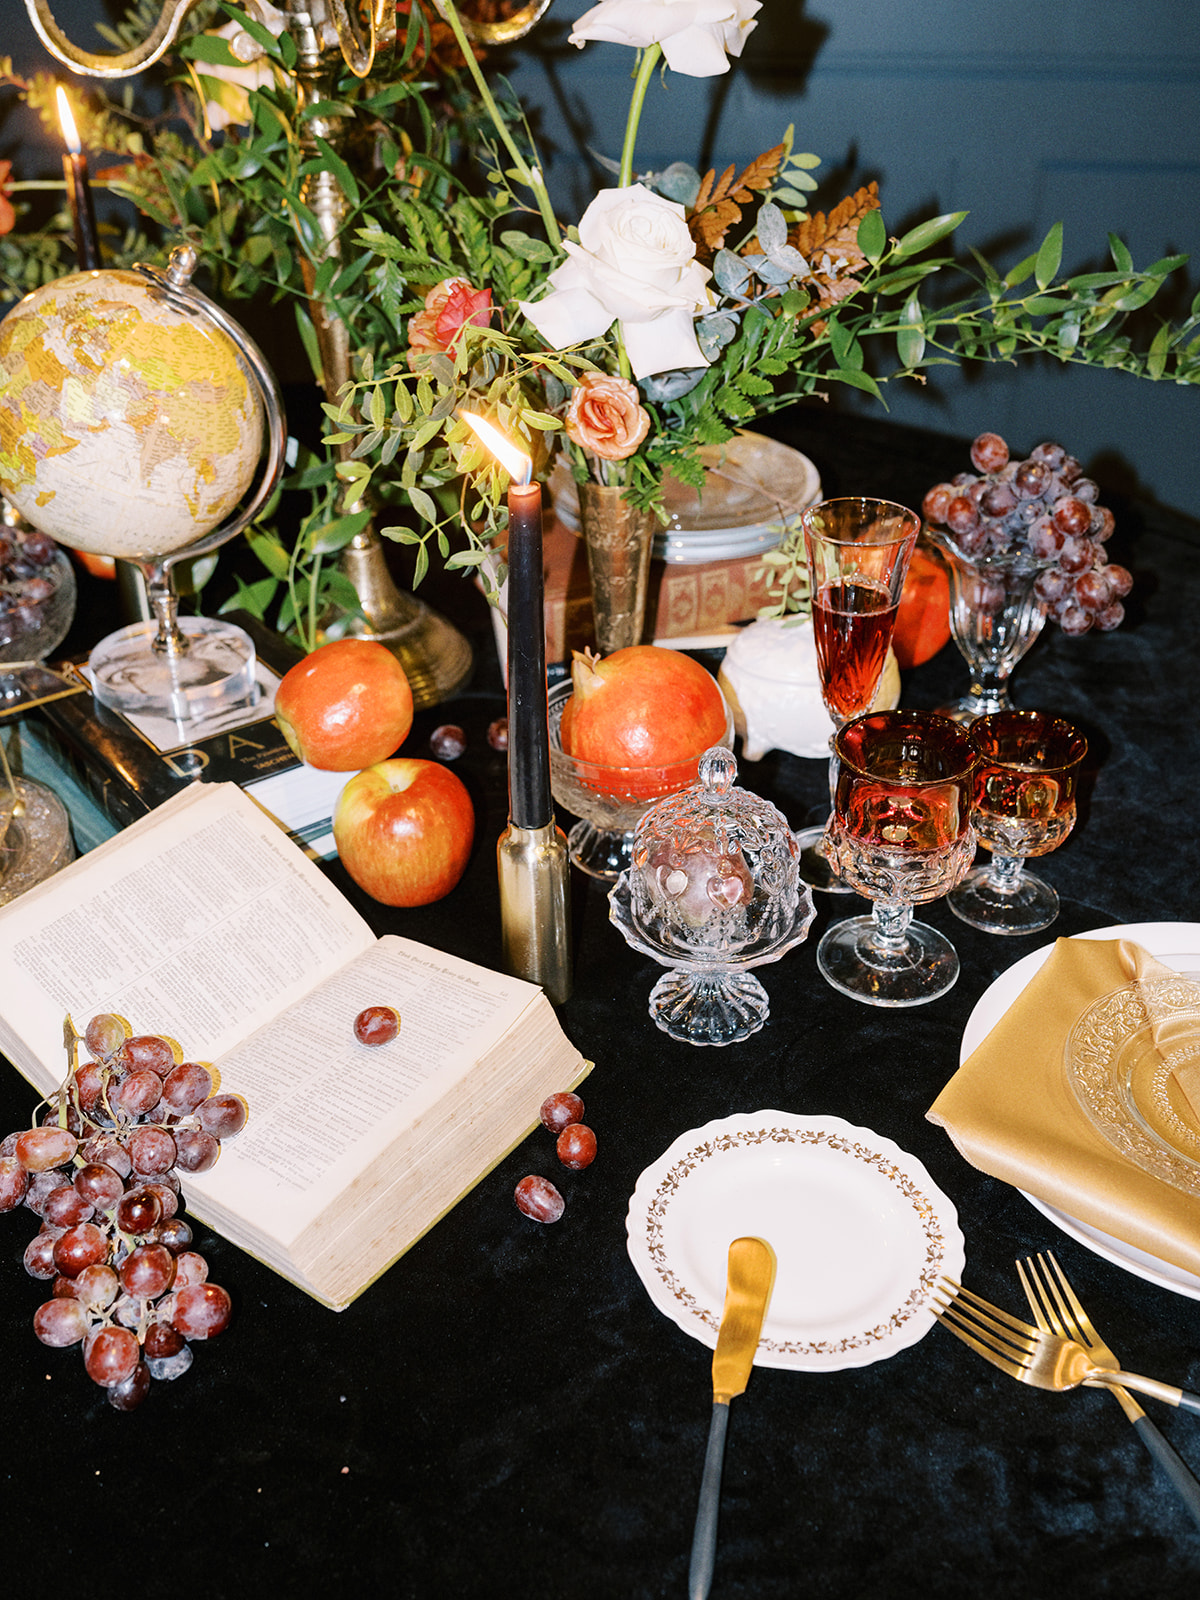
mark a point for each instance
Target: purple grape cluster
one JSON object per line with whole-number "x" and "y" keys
{"x": 101, "y": 1170}
{"x": 1045, "y": 508}
{"x": 27, "y": 582}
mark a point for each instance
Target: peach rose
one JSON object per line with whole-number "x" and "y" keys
{"x": 8, "y": 215}
{"x": 606, "y": 417}
{"x": 449, "y": 305}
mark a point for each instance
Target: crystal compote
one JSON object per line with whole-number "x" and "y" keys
{"x": 1024, "y": 806}
{"x": 713, "y": 890}
{"x": 900, "y": 834}
{"x": 996, "y": 613}
{"x": 858, "y": 552}
{"x": 609, "y": 801}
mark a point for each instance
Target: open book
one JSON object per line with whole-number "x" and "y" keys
{"x": 205, "y": 922}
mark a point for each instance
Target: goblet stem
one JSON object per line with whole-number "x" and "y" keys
{"x": 1004, "y": 874}
{"x": 891, "y": 922}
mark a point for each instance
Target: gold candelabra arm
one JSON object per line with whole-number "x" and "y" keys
{"x": 91, "y": 63}
{"x": 504, "y": 30}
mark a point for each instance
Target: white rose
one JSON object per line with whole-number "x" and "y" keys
{"x": 697, "y": 36}
{"x": 635, "y": 264}
{"x": 229, "y": 87}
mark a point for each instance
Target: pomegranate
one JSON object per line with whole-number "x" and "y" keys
{"x": 645, "y": 706}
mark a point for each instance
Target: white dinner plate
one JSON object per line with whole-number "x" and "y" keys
{"x": 860, "y": 1232}
{"x": 1176, "y": 945}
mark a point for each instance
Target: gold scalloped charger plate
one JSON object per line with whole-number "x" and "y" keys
{"x": 861, "y": 1235}
{"x": 1121, "y": 1059}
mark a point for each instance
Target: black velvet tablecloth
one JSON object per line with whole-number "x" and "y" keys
{"x": 506, "y": 1413}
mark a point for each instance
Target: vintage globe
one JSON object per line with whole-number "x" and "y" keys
{"x": 130, "y": 422}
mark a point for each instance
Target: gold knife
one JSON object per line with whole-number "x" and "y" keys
{"x": 750, "y": 1275}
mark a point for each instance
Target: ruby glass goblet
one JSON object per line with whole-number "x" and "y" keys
{"x": 1024, "y": 805}
{"x": 900, "y": 834}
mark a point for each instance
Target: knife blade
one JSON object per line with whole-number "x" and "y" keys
{"x": 750, "y": 1275}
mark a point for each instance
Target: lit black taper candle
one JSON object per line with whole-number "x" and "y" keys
{"x": 79, "y": 190}
{"x": 531, "y": 856}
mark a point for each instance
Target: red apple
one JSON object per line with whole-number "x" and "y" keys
{"x": 404, "y": 830}
{"x": 345, "y": 706}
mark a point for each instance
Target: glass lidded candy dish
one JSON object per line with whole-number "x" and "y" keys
{"x": 713, "y": 890}
{"x": 609, "y": 801}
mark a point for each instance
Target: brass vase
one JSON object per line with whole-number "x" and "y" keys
{"x": 618, "y": 539}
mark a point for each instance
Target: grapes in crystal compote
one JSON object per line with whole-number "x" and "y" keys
{"x": 99, "y": 1169}
{"x": 1042, "y": 506}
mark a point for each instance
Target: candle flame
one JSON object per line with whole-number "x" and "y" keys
{"x": 515, "y": 462}
{"x": 70, "y": 132}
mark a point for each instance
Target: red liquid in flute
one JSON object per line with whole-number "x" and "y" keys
{"x": 852, "y": 627}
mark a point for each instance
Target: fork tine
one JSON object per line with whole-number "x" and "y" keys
{"x": 1045, "y": 1313}
{"x": 1011, "y": 1364}
{"x": 998, "y": 1323}
{"x": 1051, "y": 1286}
{"x": 1086, "y": 1332}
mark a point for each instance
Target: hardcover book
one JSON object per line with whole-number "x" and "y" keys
{"x": 206, "y": 923}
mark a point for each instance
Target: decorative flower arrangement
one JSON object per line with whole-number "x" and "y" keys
{"x": 679, "y": 308}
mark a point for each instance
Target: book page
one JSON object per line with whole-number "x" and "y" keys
{"x": 323, "y": 1107}
{"x": 199, "y": 922}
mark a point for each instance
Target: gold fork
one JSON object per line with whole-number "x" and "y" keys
{"x": 1056, "y": 1309}
{"x": 1042, "y": 1359}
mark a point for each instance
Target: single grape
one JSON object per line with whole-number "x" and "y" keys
{"x": 1072, "y": 516}
{"x": 1030, "y": 479}
{"x": 376, "y": 1025}
{"x": 148, "y": 1272}
{"x": 222, "y": 1115}
{"x": 150, "y": 1052}
{"x": 105, "y": 1034}
{"x": 1102, "y": 524}
{"x": 97, "y": 1286}
{"x": 60, "y": 1322}
{"x": 190, "y": 1268}
{"x": 497, "y": 733}
{"x": 1069, "y": 469}
{"x": 165, "y": 1188}
{"x": 152, "y": 1150}
{"x": 39, "y": 1256}
{"x": 162, "y": 1340}
{"x": 1111, "y": 617}
{"x": 201, "y": 1311}
{"x": 448, "y": 742}
{"x": 107, "y": 1150}
{"x": 14, "y": 1181}
{"x": 127, "y": 1311}
{"x": 138, "y": 1212}
{"x": 539, "y": 1199}
{"x": 138, "y": 1093}
{"x": 89, "y": 1085}
{"x": 576, "y": 1147}
{"x": 41, "y": 1186}
{"x": 66, "y": 1207}
{"x": 100, "y": 1185}
{"x": 171, "y": 1367}
{"x": 8, "y": 1145}
{"x": 1120, "y": 579}
{"x": 129, "y": 1393}
{"x": 1045, "y": 540}
{"x": 195, "y": 1150}
{"x": 41, "y": 1149}
{"x": 989, "y": 452}
{"x": 1050, "y": 454}
{"x": 1075, "y": 556}
{"x": 962, "y": 514}
{"x": 560, "y": 1110}
{"x": 1074, "y": 620}
{"x": 83, "y": 1246}
{"x": 175, "y": 1233}
{"x": 998, "y": 499}
{"x": 185, "y": 1086}
{"x": 1093, "y": 590}
{"x": 64, "y": 1288}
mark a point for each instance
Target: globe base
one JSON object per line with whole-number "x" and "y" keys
{"x": 214, "y": 673}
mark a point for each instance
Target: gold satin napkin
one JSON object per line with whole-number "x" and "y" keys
{"x": 1011, "y": 1111}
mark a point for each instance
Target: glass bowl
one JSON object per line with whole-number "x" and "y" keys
{"x": 610, "y": 801}
{"x": 37, "y": 596}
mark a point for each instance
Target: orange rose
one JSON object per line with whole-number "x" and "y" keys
{"x": 606, "y": 417}
{"x": 8, "y": 216}
{"x": 449, "y": 305}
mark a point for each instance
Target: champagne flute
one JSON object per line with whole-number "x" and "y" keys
{"x": 858, "y": 552}
{"x": 900, "y": 834}
{"x": 1024, "y": 806}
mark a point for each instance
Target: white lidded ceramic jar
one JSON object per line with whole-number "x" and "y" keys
{"x": 770, "y": 679}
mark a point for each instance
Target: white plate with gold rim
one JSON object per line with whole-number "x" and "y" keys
{"x": 861, "y": 1235}
{"x": 1176, "y": 945}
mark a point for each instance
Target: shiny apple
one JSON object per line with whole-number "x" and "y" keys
{"x": 347, "y": 705}
{"x": 404, "y": 830}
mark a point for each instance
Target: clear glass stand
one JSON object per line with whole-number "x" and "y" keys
{"x": 887, "y": 959}
{"x": 1001, "y": 897}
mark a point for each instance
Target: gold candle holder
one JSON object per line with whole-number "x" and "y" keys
{"x": 534, "y": 873}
